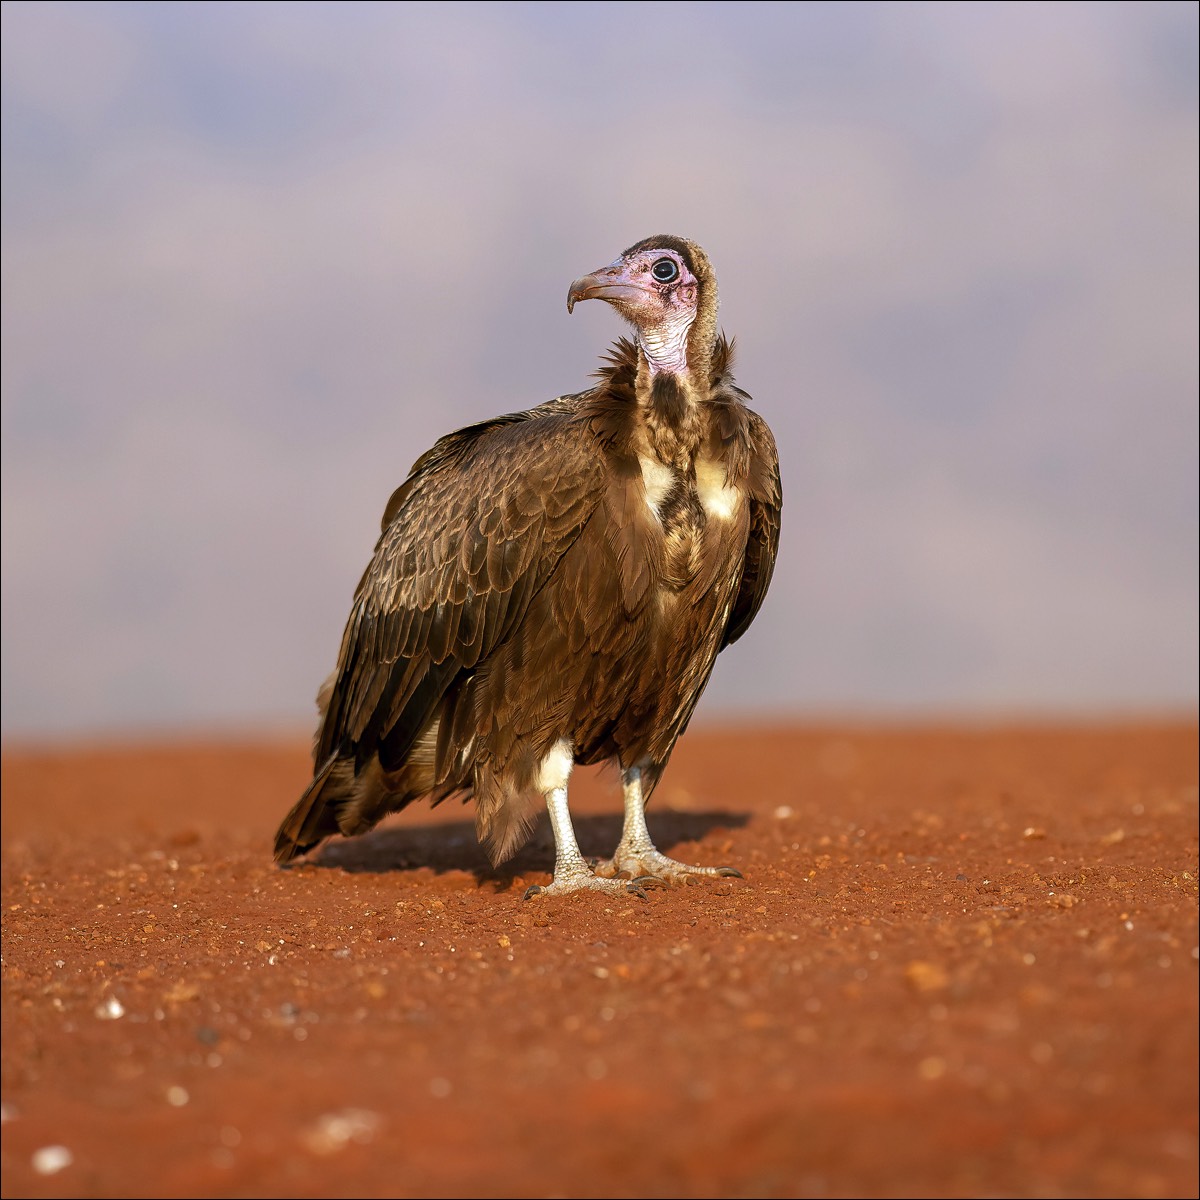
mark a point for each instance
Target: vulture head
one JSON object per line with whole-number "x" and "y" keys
{"x": 665, "y": 287}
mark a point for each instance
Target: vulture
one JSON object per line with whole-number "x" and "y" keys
{"x": 553, "y": 586}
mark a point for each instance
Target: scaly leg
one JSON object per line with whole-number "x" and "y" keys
{"x": 571, "y": 871}
{"x": 636, "y": 857}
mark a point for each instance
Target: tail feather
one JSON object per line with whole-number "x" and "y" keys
{"x": 314, "y": 817}
{"x": 343, "y": 799}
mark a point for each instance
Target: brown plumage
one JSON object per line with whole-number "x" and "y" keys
{"x": 553, "y": 586}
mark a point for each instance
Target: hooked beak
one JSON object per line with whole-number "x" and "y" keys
{"x": 608, "y": 283}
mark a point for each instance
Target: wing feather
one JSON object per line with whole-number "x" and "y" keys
{"x": 470, "y": 537}
{"x": 766, "y": 503}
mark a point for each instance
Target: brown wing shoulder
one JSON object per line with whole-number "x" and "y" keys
{"x": 468, "y": 539}
{"x": 765, "y": 491}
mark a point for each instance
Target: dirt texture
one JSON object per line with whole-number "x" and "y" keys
{"x": 962, "y": 962}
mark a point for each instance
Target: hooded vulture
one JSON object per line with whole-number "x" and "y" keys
{"x": 552, "y": 587}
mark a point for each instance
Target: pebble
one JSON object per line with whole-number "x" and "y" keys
{"x": 333, "y": 1131}
{"x": 49, "y": 1160}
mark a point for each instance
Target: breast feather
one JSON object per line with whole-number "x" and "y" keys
{"x": 658, "y": 478}
{"x": 719, "y": 498}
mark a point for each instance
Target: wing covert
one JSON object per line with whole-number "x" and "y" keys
{"x": 469, "y": 538}
{"x": 762, "y": 545}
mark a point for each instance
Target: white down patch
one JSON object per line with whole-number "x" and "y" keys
{"x": 658, "y": 480}
{"x": 718, "y": 498}
{"x": 556, "y": 767}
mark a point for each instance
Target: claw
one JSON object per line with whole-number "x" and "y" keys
{"x": 649, "y": 881}
{"x": 732, "y": 872}
{"x": 532, "y": 891}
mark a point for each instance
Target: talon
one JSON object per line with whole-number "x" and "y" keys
{"x": 732, "y": 872}
{"x": 633, "y": 889}
{"x": 532, "y": 891}
{"x": 650, "y": 881}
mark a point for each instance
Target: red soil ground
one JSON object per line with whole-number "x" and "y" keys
{"x": 961, "y": 963}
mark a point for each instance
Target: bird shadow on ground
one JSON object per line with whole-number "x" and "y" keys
{"x": 453, "y": 847}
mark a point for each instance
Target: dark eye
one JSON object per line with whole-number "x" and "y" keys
{"x": 665, "y": 270}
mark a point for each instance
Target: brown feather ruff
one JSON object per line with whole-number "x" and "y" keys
{"x": 525, "y": 590}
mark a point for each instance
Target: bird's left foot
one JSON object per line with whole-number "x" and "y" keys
{"x": 585, "y": 881}
{"x": 652, "y": 868}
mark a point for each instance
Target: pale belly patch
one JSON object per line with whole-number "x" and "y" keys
{"x": 657, "y": 480}
{"x": 719, "y": 500}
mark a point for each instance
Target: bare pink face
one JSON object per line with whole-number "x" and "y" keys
{"x": 648, "y": 287}
{"x": 655, "y": 291}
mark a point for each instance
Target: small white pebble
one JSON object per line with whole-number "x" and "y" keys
{"x": 177, "y": 1096}
{"x": 783, "y": 812}
{"x": 49, "y": 1160}
{"x": 111, "y": 1010}
{"x": 333, "y": 1131}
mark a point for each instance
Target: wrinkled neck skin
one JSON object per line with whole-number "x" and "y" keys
{"x": 666, "y": 394}
{"x": 665, "y": 346}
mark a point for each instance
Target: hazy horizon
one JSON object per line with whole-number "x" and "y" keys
{"x": 256, "y": 258}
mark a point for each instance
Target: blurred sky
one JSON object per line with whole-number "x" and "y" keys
{"x": 257, "y": 257}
